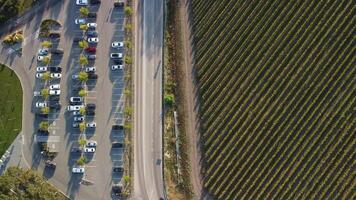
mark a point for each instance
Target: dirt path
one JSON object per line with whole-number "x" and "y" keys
{"x": 189, "y": 88}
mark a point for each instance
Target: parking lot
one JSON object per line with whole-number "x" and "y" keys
{"x": 106, "y": 92}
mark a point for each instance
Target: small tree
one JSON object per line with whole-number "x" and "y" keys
{"x": 44, "y": 125}
{"x": 46, "y": 60}
{"x": 18, "y": 37}
{"x": 128, "y": 27}
{"x": 82, "y": 111}
{"x": 169, "y": 99}
{"x": 46, "y": 76}
{"x": 128, "y": 44}
{"x": 83, "y": 44}
{"x": 127, "y": 92}
{"x": 127, "y": 180}
{"x": 45, "y": 92}
{"x": 128, "y": 111}
{"x": 82, "y": 93}
{"x": 83, "y": 27}
{"x": 81, "y": 161}
{"x": 82, "y": 141}
{"x": 83, "y": 76}
{"x": 84, "y": 11}
{"x": 128, "y": 60}
{"x": 46, "y": 44}
{"x": 128, "y": 11}
{"x": 45, "y": 110}
{"x": 82, "y": 126}
{"x": 83, "y": 60}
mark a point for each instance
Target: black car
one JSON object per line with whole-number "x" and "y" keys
{"x": 42, "y": 115}
{"x": 77, "y": 88}
{"x": 90, "y": 106}
{"x": 42, "y": 132}
{"x": 117, "y": 127}
{"x": 53, "y": 98}
{"x": 90, "y": 112}
{"x": 54, "y": 35}
{"x": 117, "y": 145}
{"x": 119, "y": 3}
{"x": 54, "y": 105}
{"x": 118, "y": 61}
{"x": 118, "y": 169}
{"x": 95, "y": 1}
{"x": 76, "y": 150}
{"x": 55, "y": 69}
{"x": 92, "y": 76}
{"x": 91, "y": 15}
{"x": 57, "y": 51}
{"x": 50, "y": 164}
{"x": 91, "y": 57}
{"x": 92, "y": 33}
{"x": 117, "y": 189}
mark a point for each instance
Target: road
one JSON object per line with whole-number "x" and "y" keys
{"x": 106, "y": 93}
{"x": 148, "y": 172}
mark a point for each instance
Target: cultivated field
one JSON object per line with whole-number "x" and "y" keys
{"x": 277, "y": 88}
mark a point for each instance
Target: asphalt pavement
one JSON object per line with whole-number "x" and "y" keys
{"x": 106, "y": 93}
{"x": 148, "y": 172}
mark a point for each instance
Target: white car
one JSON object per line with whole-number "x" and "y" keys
{"x": 37, "y": 93}
{"x": 117, "y": 44}
{"x": 116, "y": 55}
{"x": 82, "y": 2}
{"x": 78, "y": 170}
{"x": 54, "y": 92}
{"x": 75, "y": 108}
{"x": 55, "y": 87}
{"x": 41, "y": 104}
{"x": 90, "y": 69}
{"x": 117, "y": 67}
{"x": 92, "y": 25}
{"x": 80, "y": 21}
{"x": 75, "y": 113}
{"x": 42, "y": 52}
{"x": 40, "y": 58}
{"x": 91, "y": 143}
{"x": 89, "y": 150}
{"x": 56, "y": 75}
{"x": 75, "y": 76}
{"x": 76, "y": 99}
{"x": 39, "y": 75}
{"x": 41, "y": 69}
{"x": 93, "y": 40}
{"x": 91, "y": 125}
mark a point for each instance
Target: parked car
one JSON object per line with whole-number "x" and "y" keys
{"x": 116, "y": 55}
{"x": 54, "y": 105}
{"x": 55, "y": 69}
{"x": 117, "y": 67}
{"x": 80, "y": 21}
{"x": 90, "y": 106}
{"x": 119, "y": 3}
{"x": 82, "y": 2}
{"x": 42, "y": 52}
{"x": 117, "y": 45}
{"x": 90, "y": 49}
{"x": 92, "y": 76}
{"x": 91, "y": 57}
{"x": 91, "y": 125}
{"x": 91, "y": 143}
{"x": 57, "y": 51}
{"x": 41, "y": 104}
{"x": 75, "y": 76}
{"x": 92, "y": 15}
{"x": 42, "y": 115}
{"x": 117, "y": 127}
{"x": 118, "y": 61}
{"x": 118, "y": 169}
{"x": 53, "y": 98}
{"x": 42, "y": 132}
{"x": 54, "y": 92}
{"x": 93, "y": 40}
{"x": 77, "y": 88}
{"x": 50, "y": 164}
{"x": 117, "y": 189}
{"x": 55, "y": 87}
{"x": 76, "y": 150}
{"x": 78, "y": 170}
{"x": 54, "y": 35}
{"x": 37, "y": 93}
{"x": 92, "y": 34}
{"x": 95, "y": 2}
{"x": 75, "y": 125}
{"x": 90, "y": 69}
{"x": 39, "y": 75}
{"x": 76, "y": 99}
{"x": 89, "y": 150}
{"x": 76, "y": 113}
{"x": 41, "y": 69}
{"x": 40, "y": 58}
{"x": 56, "y": 75}
{"x": 117, "y": 145}
{"x": 92, "y": 25}
{"x": 75, "y": 107}
{"x": 90, "y": 112}
{"x": 79, "y": 118}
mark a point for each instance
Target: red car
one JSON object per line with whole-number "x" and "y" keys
{"x": 90, "y": 49}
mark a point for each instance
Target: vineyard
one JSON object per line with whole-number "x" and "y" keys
{"x": 277, "y": 97}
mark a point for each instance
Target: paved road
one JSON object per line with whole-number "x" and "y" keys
{"x": 148, "y": 177}
{"x": 106, "y": 92}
